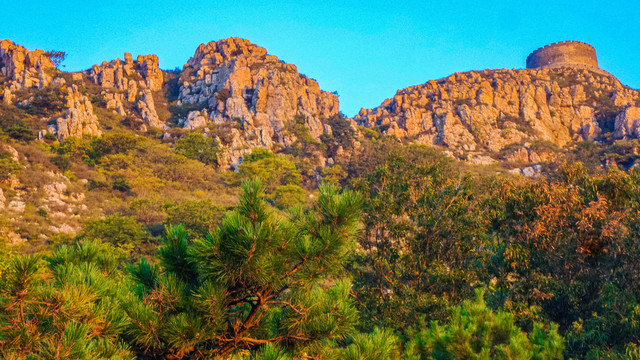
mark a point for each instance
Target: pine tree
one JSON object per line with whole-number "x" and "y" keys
{"x": 64, "y": 306}
{"x": 260, "y": 278}
{"x": 477, "y": 332}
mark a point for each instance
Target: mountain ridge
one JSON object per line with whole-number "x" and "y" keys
{"x": 235, "y": 85}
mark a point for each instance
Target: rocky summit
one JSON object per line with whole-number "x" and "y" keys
{"x": 236, "y": 83}
{"x": 491, "y": 110}
{"x": 230, "y": 83}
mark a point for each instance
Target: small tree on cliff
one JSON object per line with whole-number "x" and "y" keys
{"x": 56, "y": 57}
{"x": 258, "y": 279}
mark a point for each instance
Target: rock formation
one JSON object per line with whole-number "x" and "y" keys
{"x": 136, "y": 79}
{"x": 233, "y": 90}
{"x": 147, "y": 109}
{"x": 238, "y": 83}
{"x": 79, "y": 118}
{"x": 128, "y": 75}
{"x": 492, "y": 109}
{"x": 627, "y": 123}
{"x": 23, "y": 69}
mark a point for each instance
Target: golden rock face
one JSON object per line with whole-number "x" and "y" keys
{"x": 241, "y": 84}
{"x": 497, "y": 110}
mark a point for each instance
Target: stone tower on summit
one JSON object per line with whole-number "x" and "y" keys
{"x": 563, "y": 53}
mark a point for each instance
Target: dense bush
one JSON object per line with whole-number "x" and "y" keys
{"x": 64, "y": 306}
{"x": 274, "y": 170}
{"x": 20, "y": 132}
{"x": 115, "y": 229}
{"x": 257, "y": 279}
{"x": 198, "y": 147}
{"x": 476, "y": 332}
{"x": 62, "y": 162}
{"x": 8, "y": 166}
{"x": 46, "y": 102}
{"x": 197, "y": 216}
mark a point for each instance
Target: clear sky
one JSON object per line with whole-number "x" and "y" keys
{"x": 365, "y": 50}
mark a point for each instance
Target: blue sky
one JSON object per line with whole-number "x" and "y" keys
{"x": 365, "y": 52}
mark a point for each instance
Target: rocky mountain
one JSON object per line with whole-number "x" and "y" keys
{"x": 490, "y": 111}
{"x": 231, "y": 83}
{"x": 236, "y": 83}
{"x": 230, "y": 90}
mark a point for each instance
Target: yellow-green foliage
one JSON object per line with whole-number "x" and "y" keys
{"x": 274, "y": 169}
{"x": 477, "y": 332}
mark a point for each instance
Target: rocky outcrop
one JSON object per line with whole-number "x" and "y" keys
{"x": 627, "y": 125}
{"x": 128, "y": 75}
{"x": 147, "y": 109}
{"x": 79, "y": 118}
{"x": 492, "y": 109}
{"x": 115, "y": 102}
{"x": 129, "y": 81}
{"x": 237, "y": 82}
{"x": 23, "y": 68}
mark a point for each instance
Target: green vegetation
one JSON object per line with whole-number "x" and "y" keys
{"x": 198, "y": 147}
{"x": 197, "y": 216}
{"x": 56, "y": 57}
{"x": 182, "y": 111}
{"x": 117, "y": 230}
{"x": 46, "y": 102}
{"x": 64, "y": 306}
{"x": 387, "y": 270}
{"x": 8, "y": 166}
{"x": 476, "y": 332}
{"x": 274, "y": 169}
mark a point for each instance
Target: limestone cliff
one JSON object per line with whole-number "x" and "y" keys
{"x": 22, "y": 69}
{"x": 129, "y": 81}
{"x": 79, "y": 118}
{"x": 128, "y": 75}
{"x": 238, "y": 84}
{"x": 491, "y": 110}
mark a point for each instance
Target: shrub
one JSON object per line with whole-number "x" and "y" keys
{"x": 114, "y": 143}
{"x": 149, "y": 211}
{"x": 196, "y": 146}
{"x": 341, "y": 130}
{"x": 197, "y": 216}
{"x": 46, "y": 102}
{"x": 8, "y": 166}
{"x": 65, "y": 306}
{"x": 289, "y": 195}
{"x": 121, "y": 184}
{"x": 477, "y": 332}
{"x": 333, "y": 175}
{"x": 99, "y": 100}
{"x": 69, "y": 175}
{"x": 97, "y": 184}
{"x": 56, "y": 57}
{"x": 276, "y": 278}
{"x": 182, "y": 111}
{"x": 62, "y": 162}
{"x": 274, "y": 170}
{"x": 115, "y": 229}
{"x": 20, "y": 132}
